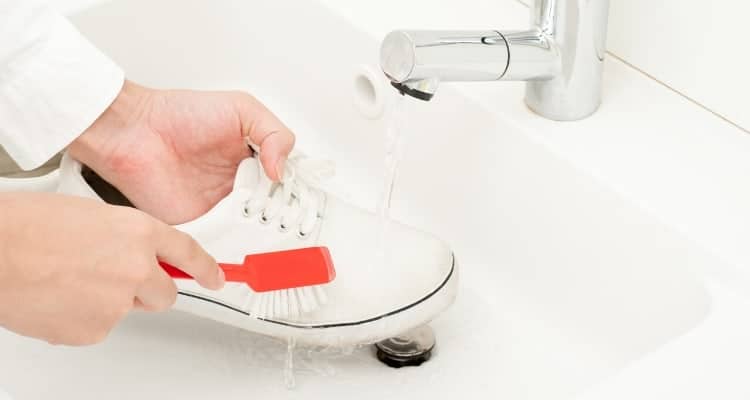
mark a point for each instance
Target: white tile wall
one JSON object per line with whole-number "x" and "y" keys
{"x": 699, "y": 48}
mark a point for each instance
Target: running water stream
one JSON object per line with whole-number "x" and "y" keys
{"x": 396, "y": 119}
{"x": 393, "y": 151}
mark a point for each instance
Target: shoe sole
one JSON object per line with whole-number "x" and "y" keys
{"x": 340, "y": 334}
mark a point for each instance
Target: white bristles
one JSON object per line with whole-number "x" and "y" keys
{"x": 293, "y": 303}
{"x": 269, "y": 308}
{"x": 308, "y": 301}
{"x": 320, "y": 294}
{"x": 260, "y": 305}
{"x": 286, "y": 303}
{"x": 276, "y": 309}
{"x": 252, "y": 307}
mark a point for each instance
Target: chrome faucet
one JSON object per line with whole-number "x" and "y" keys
{"x": 560, "y": 58}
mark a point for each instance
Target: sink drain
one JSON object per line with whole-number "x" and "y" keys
{"x": 410, "y": 349}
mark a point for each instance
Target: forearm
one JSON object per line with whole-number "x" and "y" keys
{"x": 53, "y": 83}
{"x": 12, "y": 206}
{"x": 4, "y": 225}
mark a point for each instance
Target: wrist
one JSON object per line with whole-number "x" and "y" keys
{"x": 95, "y": 144}
{"x": 9, "y": 209}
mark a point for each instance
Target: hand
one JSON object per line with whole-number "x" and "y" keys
{"x": 174, "y": 153}
{"x": 71, "y": 268}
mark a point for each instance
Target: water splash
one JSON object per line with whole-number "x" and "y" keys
{"x": 294, "y": 361}
{"x": 289, "y": 380}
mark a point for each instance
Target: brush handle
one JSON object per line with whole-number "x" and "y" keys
{"x": 232, "y": 272}
{"x": 173, "y": 271}
{"x": 277, "y": 270}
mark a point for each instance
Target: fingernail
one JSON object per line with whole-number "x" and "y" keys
{"x": 280, "y": 167}
{"x": 221, "y": 278}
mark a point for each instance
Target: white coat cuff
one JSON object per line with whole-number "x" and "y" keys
{"x": 54, "y": 91}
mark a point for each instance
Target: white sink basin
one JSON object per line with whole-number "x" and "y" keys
{"x": 564, "y": 282}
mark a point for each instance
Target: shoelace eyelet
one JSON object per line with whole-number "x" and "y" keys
{"x": 296, "y": 195}
{"x": 263, "y": 219}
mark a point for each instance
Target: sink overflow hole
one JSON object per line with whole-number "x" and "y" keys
{"x": 368, "y": 92}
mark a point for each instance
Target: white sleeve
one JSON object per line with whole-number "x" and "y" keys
{"x": 53, "y": 82}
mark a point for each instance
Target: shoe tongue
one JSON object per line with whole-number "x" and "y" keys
{"x": 249, "y": 174}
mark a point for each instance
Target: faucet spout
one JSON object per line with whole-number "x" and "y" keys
{"x": 422, "y": 89}
{"x": 560, "y": 57}
{"x": 416, "y": 61}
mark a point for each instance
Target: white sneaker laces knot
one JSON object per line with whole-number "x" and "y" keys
{"x": 296, "y": 201}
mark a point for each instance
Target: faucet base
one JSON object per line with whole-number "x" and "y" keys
{"x": 578, "y": 31}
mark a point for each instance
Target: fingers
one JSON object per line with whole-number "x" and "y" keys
{"x": 182, "y": 251}
{"x": 157, "y": 293}
{"x": 274, "y": 151}
{"x": 267, "y": 132}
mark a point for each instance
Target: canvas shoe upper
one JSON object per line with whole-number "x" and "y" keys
{"x": 376, "y": 294}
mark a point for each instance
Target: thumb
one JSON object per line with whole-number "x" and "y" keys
{"x": 267, "y": 132}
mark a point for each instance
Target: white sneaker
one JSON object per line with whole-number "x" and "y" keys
{"x": 369, "y": 300}
{"x": 44, "y": 183}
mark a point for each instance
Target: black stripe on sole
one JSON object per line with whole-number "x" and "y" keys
{"x": 335, "y": 325}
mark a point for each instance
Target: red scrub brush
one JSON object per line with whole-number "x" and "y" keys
{"x": 284, "y": 283}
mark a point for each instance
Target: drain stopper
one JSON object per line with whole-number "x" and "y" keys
{"x": 410, "y": 349}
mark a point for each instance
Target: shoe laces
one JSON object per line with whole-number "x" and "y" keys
{"x": 296, "y": 200}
